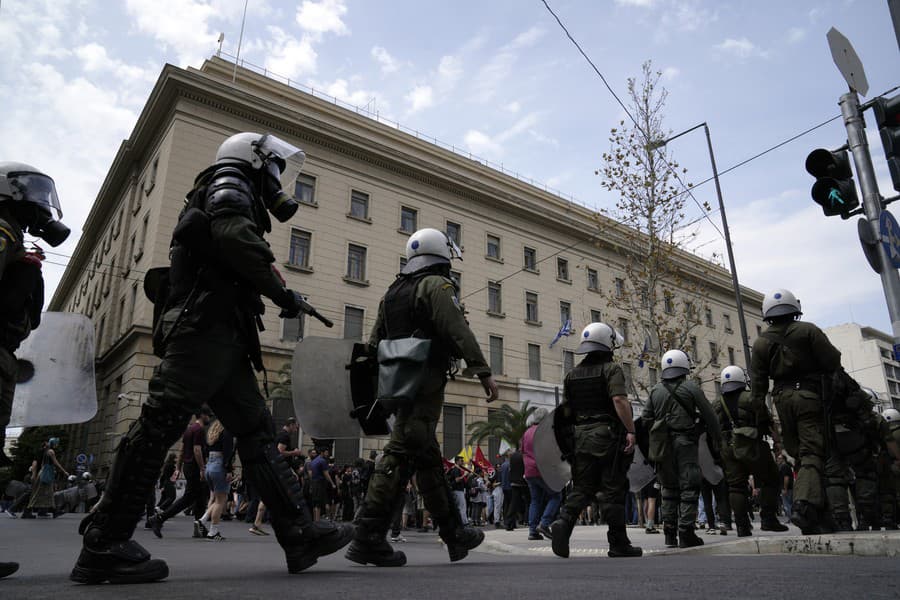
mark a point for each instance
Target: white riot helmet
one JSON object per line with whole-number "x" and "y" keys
{"x": 599, "y": 337}
{"x": 732, "y": 378}
{"x": 30, "y": 194}
{"x": 780, "y": 302}
{"x": 87, "y": 476}
{"x": 428, "y": 247}
{"x": 891, "y": 415}
{"x": 536, "y": 417}
{"x": 675, "y": 363}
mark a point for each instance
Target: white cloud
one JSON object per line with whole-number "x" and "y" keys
{"x": 489, "y": 146}
{"x": 513, "y": 107}
{"x": 388, "y": 63}
{"x": 640, "y": 3}
{"x": 480, "y": 143}
{"x": 741, "y": 48}
{"x": 449, "y": 71}
{"x": 670, "y": 73}
{"x": 182, "y": 26}
{"x": 528, "y": 38}
{"x": 341, "y": 89}
{"x": 322, "y": 17}
{"x": 421, "y": 97}
{"x": 95, "y": 60}
{"x": 290, "y": 57}
{"x": 796, "y": 34}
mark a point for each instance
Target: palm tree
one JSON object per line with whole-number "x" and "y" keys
{"x": 508, "y": 424}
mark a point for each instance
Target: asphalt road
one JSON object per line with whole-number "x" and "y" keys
{"x": 246, "y": 566}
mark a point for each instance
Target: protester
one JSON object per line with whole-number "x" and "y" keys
{"x": 544, "y": 501}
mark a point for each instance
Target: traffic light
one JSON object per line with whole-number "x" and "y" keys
{"x": 887, "y": 116}
{"x": 834, "y": 188}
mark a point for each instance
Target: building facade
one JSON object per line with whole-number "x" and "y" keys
{"x": 531, "y": 260}
{"x": 867, "y": 355}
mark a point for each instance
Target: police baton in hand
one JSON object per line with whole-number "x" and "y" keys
{"x": 298, "y": 304}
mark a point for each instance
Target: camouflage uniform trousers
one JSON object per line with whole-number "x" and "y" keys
{"x": 803, "y": 435}
{"x": 412, "y": 449}
{"x": 680, "y": 478}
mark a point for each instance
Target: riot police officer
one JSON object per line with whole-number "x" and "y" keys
{"x": 671, "y": 414}
{"x": 798, "y": 357}
{"x": 422, "y": 302}
{"x": 889, "y": 467}
{"x": 598, "y": 414}
{"x": 744, "y": 424}
{"x": 28, "y": 202}
{"x": 209, "y": 344}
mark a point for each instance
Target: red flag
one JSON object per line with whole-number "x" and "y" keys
{"x": 447, "y": 464}
{"x": 482, "y": 462}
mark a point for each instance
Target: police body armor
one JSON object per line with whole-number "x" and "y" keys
{"x": 21, "y": 301}
{"x": 587, "y": 394}
{"x": 401, "y": 320}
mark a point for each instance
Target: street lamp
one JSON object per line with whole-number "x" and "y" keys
{"x": 734, "y": 277}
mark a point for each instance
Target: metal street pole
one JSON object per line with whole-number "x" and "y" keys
{"x": 739, "y": 299}
{"x": 859, "y": 146}
{"x": 742, "y": 321}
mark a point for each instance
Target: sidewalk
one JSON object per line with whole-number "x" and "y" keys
{"x": 590, "y": 541}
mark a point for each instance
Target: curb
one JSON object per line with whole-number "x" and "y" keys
{"x": 845, "y": 544}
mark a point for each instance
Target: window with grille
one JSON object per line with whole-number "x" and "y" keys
{"x": 305, "y": 189}
{"x": 356, "y": 263}
{"x": 565, "y": 312}
{"x": 299, "y": 250}
{"x": 495, "y": 304}
{"x": 409, "y": 219}
{"x": 493, "y": 247}
{"x": 529, "y": 261}
{"x": 531, "y": 307}
{"x": 359, "y": 205}
{"x": 596, "y": 316}
{"x": 353, "y": 323}
{"x": 562, "y": 269}
{"x": 593, "y": 280}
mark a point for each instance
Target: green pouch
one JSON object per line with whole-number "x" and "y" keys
{"x": 745, "y": 443}
{"x": 660, "y": 446}
{"x": 595, "y": 439}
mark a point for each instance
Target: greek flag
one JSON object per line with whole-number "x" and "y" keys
{"x": 566, "y": 330}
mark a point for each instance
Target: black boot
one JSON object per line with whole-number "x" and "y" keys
{"x": 561, "y": 529}
{"x": 687, "y": 538}
{"x": 771, "y": 523}
{"x": 302, "y": 540}
{"x": 460, "y": 539}
{"x": 369, "y": 545}
{"x": 8, "y": 568}
{"x": 108, "y": 553}
{"x": 671, "y": 535}
{"x": 805, "y": 516}
{"x": 617, "y": 536}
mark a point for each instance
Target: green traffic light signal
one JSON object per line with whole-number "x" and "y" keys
{"x": 834, "y": 189}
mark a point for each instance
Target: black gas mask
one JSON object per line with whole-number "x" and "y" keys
{"x": 277, "y": 201}
{"x": 52, "y": 232}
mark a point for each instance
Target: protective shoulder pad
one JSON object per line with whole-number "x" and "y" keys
{"x": 229, "y": 193}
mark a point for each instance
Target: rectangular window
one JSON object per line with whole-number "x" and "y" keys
{"x": 300, "y": 245}
{"x": 620, "y": 287}
{"x": 305, "y": 189}
{"x": 534, "y": 362}
{"x": 730, "y": 355}
{"x": 100, "y": 331}
{"x": 144, "y": 227}
{"x": 624, "y": 330}
{"x": 654, "y": 378}
{"x": 134, "y": 297}
{"x": 668, "y": 305}
{"x": 359, "y": 205}
{"x": 709, "y": 317}
{"x": 495, "y": 304}
{"x": 356, "y": 263}
{"x": 565, "y": 312}
{"x": 726, "y": 319}
{"x": 531, "y": 307}
{"x": 454, "y": 232}
{"x": 568, "y": 361}
{"x": 118, "y": 226}
{"x": 689, "y": 311}
{"x": 353, "y": 323}
{"x": 121, "y": 314}
{"x": 134, "y": 253}
{"x": 529, "y": 261}
{"x": 593, "y": 280}
{"x": 496, "y": 355}
{"x": 409, "y": 219}
{"x": 693, "y": 348}
{"x": 453, "y": 430}
{"x": 562, "y": 269}
{"x": 713, "y": 353}
{"x": 596, "y": 316}
{"x": 154, "y": 170}
{"x": 493, "y": 247}
{"x": 292, "y": 329}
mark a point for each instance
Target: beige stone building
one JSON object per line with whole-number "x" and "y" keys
{"x": 531, "y": 258}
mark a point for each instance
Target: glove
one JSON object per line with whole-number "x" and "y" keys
{"x": 291, "y": 305}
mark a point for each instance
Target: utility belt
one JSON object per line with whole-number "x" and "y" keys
{"x": 597, "y": 418}
{"x": 805, "y": 384}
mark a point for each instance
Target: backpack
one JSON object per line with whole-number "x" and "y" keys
{"x": 660, "y": 444}
{"x": 744, "y": 440}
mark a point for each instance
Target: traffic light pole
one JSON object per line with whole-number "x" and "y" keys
{"x": 872, "y": 204}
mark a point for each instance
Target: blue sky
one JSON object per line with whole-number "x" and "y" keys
{"x": 500, "y": 79}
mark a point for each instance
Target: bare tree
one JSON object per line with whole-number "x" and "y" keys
{"x": 664, "y": 301}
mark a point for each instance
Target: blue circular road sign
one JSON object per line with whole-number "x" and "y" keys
{"x": 890, "y": 237}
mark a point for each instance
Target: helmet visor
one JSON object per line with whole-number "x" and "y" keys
{"x": 288, "y": 157}
{"x": 36, "y": 189}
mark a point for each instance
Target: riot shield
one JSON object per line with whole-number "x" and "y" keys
{"x": 641, "y": 472}
{"x": 712, "y": 472}
{"x": 56, "y": 363}
{"x": 555, "y": 471}
{"x": 321, "y": 373}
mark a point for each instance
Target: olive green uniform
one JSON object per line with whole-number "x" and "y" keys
{"x": 413, "y": 446}
{"x": 743, "y": 457}
{"x": 599, "y": 465}
{"x": 797, "y": 372}
{"x": 888, "y": 475}
{"x": 679, "y": 474}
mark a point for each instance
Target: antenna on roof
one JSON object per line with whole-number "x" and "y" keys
{"x": 240, "y": 39}
{"x": 221, "y": 39}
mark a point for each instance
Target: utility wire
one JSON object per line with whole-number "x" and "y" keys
{"x": 633, "y": 120}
